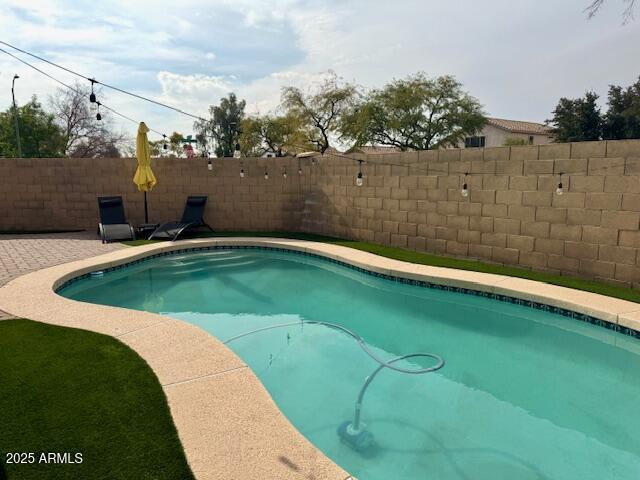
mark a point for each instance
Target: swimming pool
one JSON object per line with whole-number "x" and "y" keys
{"x": 525, "y": 393}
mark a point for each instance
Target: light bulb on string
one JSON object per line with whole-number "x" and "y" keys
{"x": 164, "y": 145}
{"x": 559, "y": 189}
{"x": 359, "y": 178}
{"x": 98, "y": 116}
{"x": 236, "y": 152}
{"x": 284, "y": 173}
{"x": 266, "y": 174}
{"x": 209, "y": 165}
{"x": 465, "y": 188}
{"x": 242, "y": 173}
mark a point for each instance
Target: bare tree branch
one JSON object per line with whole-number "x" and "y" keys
{"x": 594, "y": 7}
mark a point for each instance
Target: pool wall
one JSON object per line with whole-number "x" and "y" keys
{"x": 228, "y": 424}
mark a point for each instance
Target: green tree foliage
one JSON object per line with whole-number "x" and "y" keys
{"x": 622, "y": 119}
{"x": 415, "y": 113}
{"x": 320, "y": 112}
{"x": 281, "y": 135}
{"x": 39, "y": 134}
{"x": 577, "y": 120}
{"x": 223, "y": 125}
{"x": 175, "y": 144}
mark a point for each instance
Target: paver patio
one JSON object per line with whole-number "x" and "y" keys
{"x": 20, "y": 254}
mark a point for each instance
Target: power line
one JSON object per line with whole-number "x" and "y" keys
{"x": 75, "y": 89}
{"x": 93, "y": 80}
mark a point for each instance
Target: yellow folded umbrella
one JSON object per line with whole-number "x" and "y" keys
{"x": 144, "y": 177}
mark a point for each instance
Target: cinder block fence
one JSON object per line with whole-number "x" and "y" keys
{"x": 512, "y": 213}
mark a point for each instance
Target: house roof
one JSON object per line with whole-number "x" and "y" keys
{"x": 517, "y": 126}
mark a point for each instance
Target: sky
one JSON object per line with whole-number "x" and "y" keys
{"x": 517, "y": 57}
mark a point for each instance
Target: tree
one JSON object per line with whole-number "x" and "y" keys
{"x": 320, "y": 112}
{"x": 281, "y": 135}
{"x": 223, "y": 126}
{"x": 416, "y": 113}
{"x": 594, "y": 7}
{"x": 39, "y": 134}
{"x": 175, "y": 144}
{"x": 85, "y": 136}
{"x": 577, "y": 120}
{"x": 622, "y": 119}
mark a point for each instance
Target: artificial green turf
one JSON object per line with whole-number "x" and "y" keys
{"x": 68, "y": 390}
{"x": 440, "y": 261}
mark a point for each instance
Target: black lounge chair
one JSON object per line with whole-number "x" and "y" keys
{"x": 192, "y": 218}
{"x": 113, "y": 224}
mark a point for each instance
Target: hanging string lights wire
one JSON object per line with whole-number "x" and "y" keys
{"x": 92, "y": 96}
{"x": 237, "y": 152}
{"x": 284, "y": 173}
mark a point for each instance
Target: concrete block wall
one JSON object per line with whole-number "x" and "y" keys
{"x": 60, "y": 193}
{"x": 411, "y": 200}
{"x": 512, "y": 214}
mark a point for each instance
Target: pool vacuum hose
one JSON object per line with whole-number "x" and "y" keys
{"x": 354, "y": 433}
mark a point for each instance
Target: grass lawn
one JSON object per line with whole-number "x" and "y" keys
{"x": 68, "y": 390}
{"x": 440, "y": 261}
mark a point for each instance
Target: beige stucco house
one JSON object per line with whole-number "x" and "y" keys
{"x": 499, "y": 132}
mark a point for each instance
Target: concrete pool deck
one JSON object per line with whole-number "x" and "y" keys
{"x": 228, "y": 424}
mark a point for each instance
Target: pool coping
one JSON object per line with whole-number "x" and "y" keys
{"x": 227, "y": 422}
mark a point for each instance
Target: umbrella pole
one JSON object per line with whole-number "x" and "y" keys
{"x": 146, "y": 210}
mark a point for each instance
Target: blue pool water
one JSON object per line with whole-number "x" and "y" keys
{"x": 525, "y": 394}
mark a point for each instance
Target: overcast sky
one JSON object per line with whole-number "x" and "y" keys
{"x": 516, "y": 57}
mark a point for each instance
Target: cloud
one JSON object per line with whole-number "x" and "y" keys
{"x": 517, "y": 58}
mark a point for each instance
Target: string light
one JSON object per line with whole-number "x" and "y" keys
{"x": 559, "y": 189}
{"x": 237, "y": 153}
{"x": 164, "y": 146}
{"x": 284, "y": 173}
{"x": 241, "y": 170}
{"x": 98, "y": 116}
{"x": 359, "y": 179}
{"x": 465, "y": 188}
{"x": 209, "y": 165}
{"x": 266, "y": 174}
{"x": 69, "y": 87}
{"x": 92, "y": 95}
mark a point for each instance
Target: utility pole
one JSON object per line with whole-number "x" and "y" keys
{"x": 15, "y": 115}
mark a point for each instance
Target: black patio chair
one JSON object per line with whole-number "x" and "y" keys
{"x": 192, "y": 218}
{"x": 113, "y": 224}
